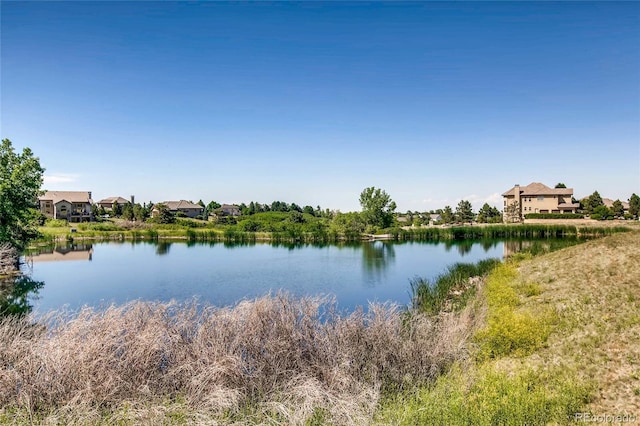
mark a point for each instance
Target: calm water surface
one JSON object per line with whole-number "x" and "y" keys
{"x": 103, "y": 273}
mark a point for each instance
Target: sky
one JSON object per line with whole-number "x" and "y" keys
{"x": 312, "y": 102}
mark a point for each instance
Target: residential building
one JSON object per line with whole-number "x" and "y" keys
{"x": 609, "y": 203}
{"x": 73, "y": 206}
{"x": 188, "y": 208}
{"x": 108, "y": 203}
{"x": 230, "y": 210}
{"x": 538, "y": 198}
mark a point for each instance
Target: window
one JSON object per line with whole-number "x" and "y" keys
{"x": 540, "y": 197}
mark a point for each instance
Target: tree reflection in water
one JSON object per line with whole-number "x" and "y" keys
{"x": 376, "y": 257}
{"x": 15, "y": 294}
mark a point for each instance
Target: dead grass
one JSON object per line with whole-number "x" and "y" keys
{"x": 275, "y": 360}
{"x": 595, "y": 290}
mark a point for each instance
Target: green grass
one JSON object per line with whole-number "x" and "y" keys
{"x": 449, "y": 290}
{"x": 488, "y": 396}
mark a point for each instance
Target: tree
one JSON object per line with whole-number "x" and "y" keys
{"x": 634, "y": 205}
{"x": 164, "y": 214}
{"x": 464, "y": 212}
{"x": 20, "y": 182}
{"x": 488, "y": 214}
{"x": 560, "y": 185}
{"x": 139, "y": 213}
{"x": 116, "y": 209}
{"x": 617, "y": 209}
{"x": 127, "y": 212}
{"x": 377, "y": 207}
{"x": 594, "y": 200}
{"x": 447, "y": 215}
{"x": 512, "y": 212}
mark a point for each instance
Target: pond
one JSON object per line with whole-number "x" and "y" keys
{"x": 98, "y": 274}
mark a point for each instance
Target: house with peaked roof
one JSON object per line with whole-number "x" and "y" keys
{"x": 539, "y": 198}
{"x": 188, "y": 208}
{"x": 73, "y": 206}
{"x": 608, "y": 202}
{"x": 108, "y": 202}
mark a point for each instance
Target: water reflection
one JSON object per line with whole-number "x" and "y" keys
{"x": 61, "y": 252}
{"x": 16, "y": 293}
{"x": 376, "y": 257}
{"x": 162, "y": 247}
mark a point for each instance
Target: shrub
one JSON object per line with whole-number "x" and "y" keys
{"x": 299, "y": 355}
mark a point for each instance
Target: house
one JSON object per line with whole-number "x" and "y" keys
{"x": 187, "y": 208}
{"x": 73, "y": 206}
{"x": 229, "y": 210}
{"x": 537, "y": 198}
{"x": 108, "y": 203}
{"x": 608, "y": 202}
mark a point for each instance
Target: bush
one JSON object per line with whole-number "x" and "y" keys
{"x": 299, "y": 355}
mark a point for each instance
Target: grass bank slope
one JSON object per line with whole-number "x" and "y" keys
{"x": 595, "y": 291}
{"x": 560, "y": 336}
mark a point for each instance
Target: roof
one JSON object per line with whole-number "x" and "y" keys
{"x": 229, "y": 206}
{"x": 537, "y": 188}
{"x": 111, "y": 200}
{"x": 69, "y": 196}
{"x": 609, "y": 203}
{"x": 182, "y": 204}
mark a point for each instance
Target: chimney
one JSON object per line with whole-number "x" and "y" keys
{"x": 89, "y": 194}
{"x": 132, "y": 200}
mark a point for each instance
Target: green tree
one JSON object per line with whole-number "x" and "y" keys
{"x": 512, "y": 212}
{"x": 593, "y": 201}
{"x": 617, "y": 208}
{"x": 127, "y": 211}
{"x": 464, "y": 212}
{"x": 20, "y": 182}
{"x": 560, "y": 185}
{"x": 377, "y": 208}
{"x": 116, "y": 209}
{"x": 164, "y": 214}
{"x": 139, "y": 213}
{"x": 601, "y": 212}
{"x": 488, "y": 214}
{"x": 447, "y": 215}
{"x": 634, "y": 205}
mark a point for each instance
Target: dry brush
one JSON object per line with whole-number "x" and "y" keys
{"x": 276, "y": 357}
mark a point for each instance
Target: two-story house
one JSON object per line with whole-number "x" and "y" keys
{"x": 538, "y": 198}
{"x": 73, "y": 206}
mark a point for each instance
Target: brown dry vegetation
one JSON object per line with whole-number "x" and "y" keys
{"x": 595, "y": 290}
{"x": 276, "y": 360}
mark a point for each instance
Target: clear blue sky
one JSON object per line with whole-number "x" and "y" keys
{"x": 312, "y": 102}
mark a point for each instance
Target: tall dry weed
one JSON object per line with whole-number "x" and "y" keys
{"x": 282, "y": 357}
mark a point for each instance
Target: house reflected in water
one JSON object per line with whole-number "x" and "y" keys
{"x": 59, "y": 253}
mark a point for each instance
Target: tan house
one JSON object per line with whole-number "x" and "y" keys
{"x": 107, "y": 203}
{"x": 187, "y": 207}
{"x": 609, "y": 203}
{"x": 73, "y": 206}
{"x": 537, "y": 198}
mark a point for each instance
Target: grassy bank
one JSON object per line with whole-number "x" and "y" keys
{"x": 315, "y": 232}
{"x": 559, "y": 337}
